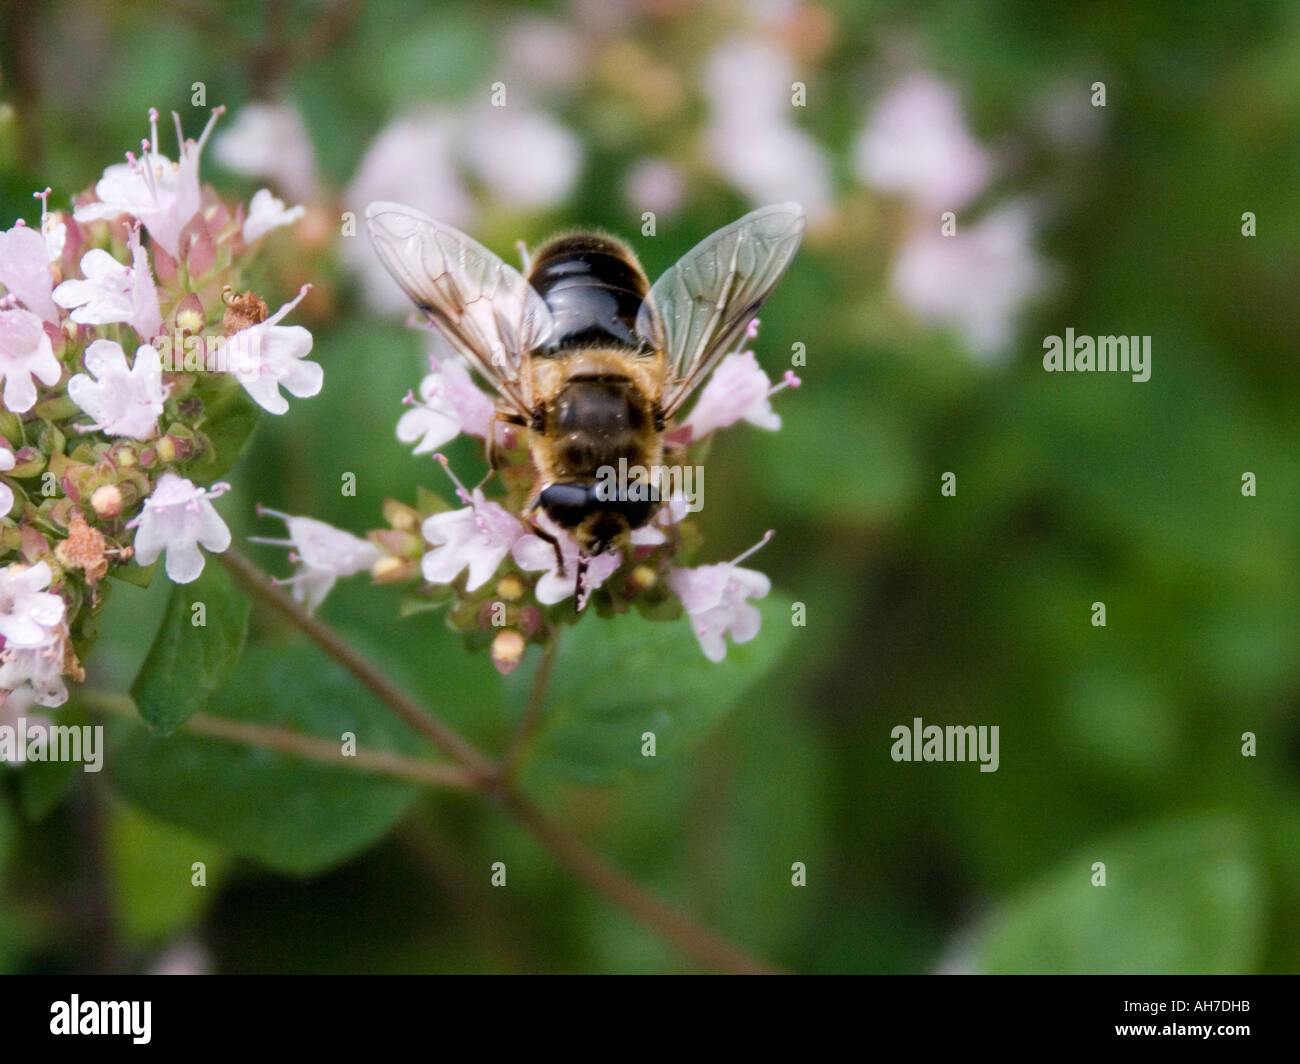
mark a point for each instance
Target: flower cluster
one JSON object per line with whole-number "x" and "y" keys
{"x": 125, "y": 343}
{"x": 507, "y": 575}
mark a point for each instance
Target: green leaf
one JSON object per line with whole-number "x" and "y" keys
{"x": 44, "y": 784}
{"x": 289, "y": 813}
{"x": 618, "y": 678}
{"x": 1181, "y": 897}
{"x": 229, "y": 417}
{"x": 152, "y": 868}
{"x": 187, "y": 661}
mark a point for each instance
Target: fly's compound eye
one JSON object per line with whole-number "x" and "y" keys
{"x": 636, "y": 512}
{"x": 566, "y": 504}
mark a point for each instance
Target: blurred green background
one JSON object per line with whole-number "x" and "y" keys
{"x": 1119, "y": 744}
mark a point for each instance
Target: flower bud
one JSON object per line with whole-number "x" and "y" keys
{"x": 389, "y": 570}
{"x": 530, "y": 619}
{"x": 106, "y": 501}
{"x": 510, "y": 588}
{"x": 189, "y": 315}
{"x": 507, "y": 651}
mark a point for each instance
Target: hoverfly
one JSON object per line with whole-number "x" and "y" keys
{"x": 581, "y": 350}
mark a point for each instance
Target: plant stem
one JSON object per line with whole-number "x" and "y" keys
{"x": 532, "y": 715}
{"x": 491, "y": 781}
{"x": 308, "y": 747}
{"x": 610, "y": 880}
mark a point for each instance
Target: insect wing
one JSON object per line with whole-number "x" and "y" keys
{"x": 485, "y": 308}
{"x": 699, "y": 309}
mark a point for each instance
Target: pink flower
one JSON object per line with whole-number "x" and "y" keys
{"x": 25, "y": 353}
{"x": 179, "y": 518}
{"x": 716, "y": 599}
{"x": 28, "y": 611}
{"x": 738, "y": 390}
{"x": 502, "y": 136}
{"x": 122, "y": 401}
{"x": 25, "y": 271}
{"x": 478, "y": 538}
{"x": 162, "y": 194}
{"x": 32, "y": 622}
{"x": 916, "y": 143}
{"x": 35, "y": 674}
{"x": 269, "y": 356}
{"x": 655, "y": 185}
{"x": 323, "y": 553}
{"x": 114, "y": 293}
{"x": 450, "y": 403}
{"x": 265, "y": 213}
{"x": 6, "y": 492}
{"x": 411, "y": 161}
{"x": 532, "y": 553}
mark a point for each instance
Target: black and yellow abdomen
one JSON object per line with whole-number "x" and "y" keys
{"x": 594, "y": 288}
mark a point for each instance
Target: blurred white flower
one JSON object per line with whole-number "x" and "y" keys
{"x": 270, "y": 140}
{"x": 526, "y": 159}
{"x": 655, "y": 185}
{"x": 542, "y": 53}
{"x": 179, "y": 518}
{"x": 916, "y": 144}
{"x": 976, "y": 281}
{"x": 265, "y": 213}
{"x": 121, "y": 401}
{"x": 747, "y": 82}
{"x": 773, "y": 162}
{"x": 751, "y": 137}
{"x": 411, "y": 161}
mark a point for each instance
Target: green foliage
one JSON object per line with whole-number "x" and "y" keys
{"x": 1184, "y": 896}
{"x": 617, "y": 679}
{"x": 188, "y": 661}
{"x": 151, "y": 870}
{"x": 291, "y": 814}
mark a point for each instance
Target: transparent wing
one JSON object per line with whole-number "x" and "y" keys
{"x": 485, "y": 308}
{"x": 698, "y": 310}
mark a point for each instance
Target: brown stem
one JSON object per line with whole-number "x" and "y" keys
{"x": 381, "y": 762}
{"x": 406, "y": 707}
{"x": 532, "y": 715}
{"x": 308, "y": 747}
{"x": 615, "y": 884}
